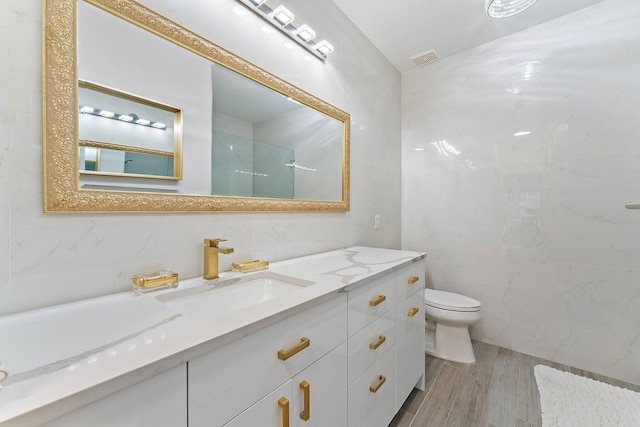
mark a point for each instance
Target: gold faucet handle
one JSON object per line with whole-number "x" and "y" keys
{"x": 213, "y": 243}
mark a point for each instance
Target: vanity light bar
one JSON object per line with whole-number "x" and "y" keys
{"x": 282, "y": 19}
{"x": 282, "y": 15}
{"x": 306, "y": 33}
{"x": 127, "y": 118}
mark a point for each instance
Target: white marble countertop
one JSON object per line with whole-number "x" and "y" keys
{"x": 63, "y": 357}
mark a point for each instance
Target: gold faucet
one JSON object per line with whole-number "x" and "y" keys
{"x": 211, "y": 251}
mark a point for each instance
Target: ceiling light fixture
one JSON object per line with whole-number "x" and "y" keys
{"x": 506, "y": 8}
{"x": 282, "y": 19}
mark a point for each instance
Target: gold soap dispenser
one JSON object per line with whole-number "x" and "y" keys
{"x": 211, "y": 251}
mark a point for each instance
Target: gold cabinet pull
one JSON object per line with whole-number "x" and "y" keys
{"x": 284, "y": 404}
{"x": 375, "y": 345}
{"x": 413, "y": 311}
{"x": 375, "y": 388}
{"x": 306, "y": 412}
{"x": 377, "y": 301}
{"x": 413, "y": 280}
{"x": 285, "y": 354}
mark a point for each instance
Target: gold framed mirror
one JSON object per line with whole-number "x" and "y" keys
{"x": 321, "y": 130}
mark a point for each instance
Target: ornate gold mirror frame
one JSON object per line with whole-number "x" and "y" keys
{"x": 62, "y": 193}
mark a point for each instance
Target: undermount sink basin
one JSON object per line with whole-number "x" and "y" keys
{"x": 224, "y": 296}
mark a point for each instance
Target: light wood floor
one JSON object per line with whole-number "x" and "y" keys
{"x": 498, "y": 390}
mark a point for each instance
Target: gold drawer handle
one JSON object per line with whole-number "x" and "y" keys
{"x": 375, "y": 388}
{"x": 306, "y": 389}
{"x": 285, "y": 354}
{"x": 377, "y": 344}
{"x": 284, "y": 404}
{"x": 413, "y": 311}
{"x": 377, "y": 301}
{"x": 413, "y": 280}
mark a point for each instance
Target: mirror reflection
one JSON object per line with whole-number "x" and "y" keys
{"x": 122, "y": 134}
{"x": 239, "y": 138}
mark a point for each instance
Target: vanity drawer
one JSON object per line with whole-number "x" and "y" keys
{"x": 228, "y": 380}
{"x": 370, "y": 301}
{"x": 410, "y": 280}
{"x": 380, "y": 335}
{"x": 369, "y": 408}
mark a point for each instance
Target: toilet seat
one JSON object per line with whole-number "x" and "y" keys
{"x": 450, "y": 301}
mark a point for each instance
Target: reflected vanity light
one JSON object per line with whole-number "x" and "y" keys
{"x": 238, "y": 11}
{"x": 251, "y": 173}
{"x": 106, "y": 113}
{"x": 127, "y": 118}
{"x": 294, "y": 165}
{"x": 445, "y": 148}
{"x": 522, "y": 133}
{"x": 282, "y": 19}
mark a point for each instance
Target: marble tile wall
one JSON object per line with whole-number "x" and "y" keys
{"x": 53, "y": 259}
{"x": 5, "y": 189}
{"x": 534, "y": 226}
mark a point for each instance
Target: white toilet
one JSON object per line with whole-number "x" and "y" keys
{"x": 452, "y": 315}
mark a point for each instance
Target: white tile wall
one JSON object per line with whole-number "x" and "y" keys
{"x": 5, "y": 188}
{"x": 535, "y": 226}
{"x": 51, "y": 259}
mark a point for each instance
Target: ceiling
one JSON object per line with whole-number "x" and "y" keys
{"x": 404, "y": 28}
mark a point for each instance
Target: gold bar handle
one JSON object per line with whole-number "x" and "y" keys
{"x": 413, "y": 311}
{"x": 375, "y": 388}
{"x": 285, "y": 354}
{"x": 375, "y": 345}
{"x": 284, "y": 404}
{"x": 377, "y": 301}
{"x": 306, "y": 412}
{"x": 413, "y": 280}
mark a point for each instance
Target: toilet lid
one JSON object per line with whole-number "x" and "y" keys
{"x": 450, "y": 301}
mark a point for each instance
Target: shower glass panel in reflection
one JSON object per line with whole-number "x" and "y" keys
{"x": 148, "y": 164}
{"x": 231, "y": 165}
{"x": 272, "y": 177}
{"x": 246, "y": 168}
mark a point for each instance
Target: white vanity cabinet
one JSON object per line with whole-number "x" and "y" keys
{"x": 159, "y": 401}
{"x": 225, "y": 383}
{"x": 316, "y": 397}
{"x": 372, "y": 376}
{"x": 386, "y": 345}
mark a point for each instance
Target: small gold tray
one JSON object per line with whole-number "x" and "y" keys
{"x": 247, "y": 266}
{"x": 156, "y": 280}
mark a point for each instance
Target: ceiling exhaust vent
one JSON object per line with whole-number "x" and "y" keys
{"x": 427, "y": 57}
